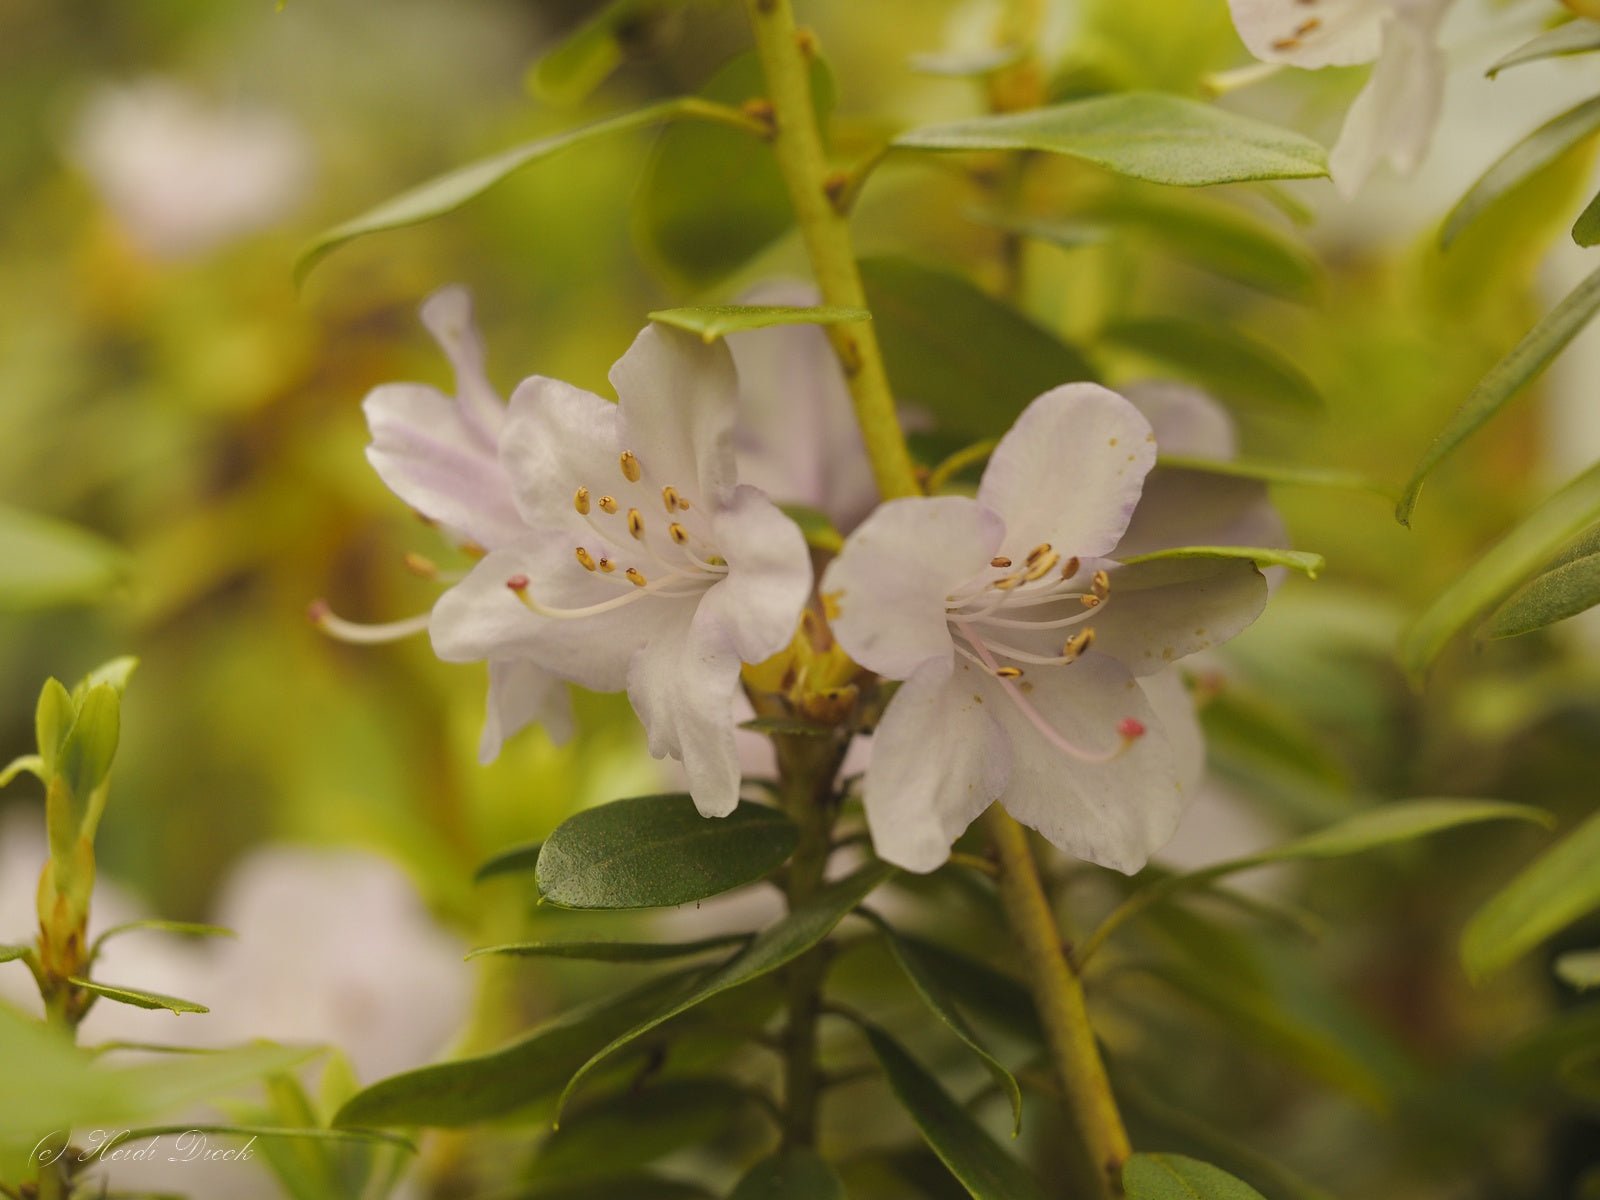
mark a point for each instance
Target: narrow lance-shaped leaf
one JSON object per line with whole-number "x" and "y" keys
{"x": 615, "y": 952}
{"x": 1287, "y": 474}
{"x": 1586, "y": 229}
{"x": 1575, "y": 37}
{"x": 1175, "y": 1177}
{"x": 713, "y": 321}
{"x": 792, "y": 1174}
{"x": 48, "y": 563}
{"x": 138, "y": 997}
{"x": 157, "y": 925}
{"x": 656, "y": 851}
{"x": 637, "y": 1126}
{"x": 448, "y": 192}
{"x": 1502, "y": 568}
{"x": 1560, "y": 886}
{"x": 805, "y": 926}
{"x": 1145, "y": 135}
{"x": 1567, "y": 587}
{"x": 1262, "y": 556}
{"x": 1540, "y": 148}
{"x": 973, "y": 1157}
{"x": 1505, "y": 379}
{"x": 581, "y": 63}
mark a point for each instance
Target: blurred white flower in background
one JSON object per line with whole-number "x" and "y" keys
{"x": 183, "y": 175}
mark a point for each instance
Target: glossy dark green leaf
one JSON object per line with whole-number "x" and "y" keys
{"x": 713, "y": 321}
{"x": 712, "y": 198}
{"x": 615, "y": 952}
{"x": 1539, "y": 149}
{"x": 1586, "y": 229}
{"x": 513, "y": 861}
{"x": 1568, "y": 586}
{"x": 1263, "y": 556}
{"x": 950, "y": 348}
{"x": 1174, "y": 1177}
{"x": 1556, "y": 889}
{"x": 1504, "y": 567}
{"x": 45, "y": 563}
{"x": 982, "y": 990}
{"x": 658, "y": 851}
{"x": 972, "y": 1156}
{"x": 1575, "y": 37}
{"x": 637, "y": 1127}
{"x": 803, "y": 927}
{"x": 448, "y": 192}
{"x": 501, "y": 1082}
{"x": 1580, "y": 968}
{"x": 138, "y": 997}
{"x": 1241, "y": 372}
{"x": 793, "y": 1174}
{"x": 1145, "y": 135}
{"x": 925, "y": 982}
{"x": 1526, "y": 361}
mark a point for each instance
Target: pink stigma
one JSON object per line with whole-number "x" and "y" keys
{"x": 518, "y": 583}
{"x": 1130, "y": 728}
{"x": 317, "y": 612}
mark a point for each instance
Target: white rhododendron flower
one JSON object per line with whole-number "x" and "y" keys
{"x": 1035, "y": 665}
{"x": 441, "y": 455}
{"x": 646, "y": 565}
{"x": 184, "y": 176}
{"x": 1393, "y": 118}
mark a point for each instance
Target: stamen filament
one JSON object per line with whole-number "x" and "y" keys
{"x": 359, "y": 633}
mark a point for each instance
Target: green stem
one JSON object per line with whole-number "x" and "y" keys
{"x": 53, "y": 1180}
{"x": 797, "y": 144}
{"x": 1058, "y": 994}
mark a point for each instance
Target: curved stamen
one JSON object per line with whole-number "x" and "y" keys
{"x": 358, "y": 633}
{"x": 518, "y": 584}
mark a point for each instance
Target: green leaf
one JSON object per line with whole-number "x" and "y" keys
{"x": 510, "y": 862}
{"x": 138, "y": 998}
{"x": 928, "y": 988}
{"x": 156, "y": 925}
{"x": 818, "y": 528}
{"x": 1287, "y": 474}
{"x": 712, "y": 199}
{"x": 1146, "y": 135}
{"x": 786, "y": 727}
{"x": 1502, "y": 568}
{"x": 91, "y": 743}
{"x": 500, "y": 1082}
{"x": 31, "y": 763}
{"x": 805, "y": 926}
{"x": 1567, "y": 587}
{"x": 11, "y": 951}
{"x": 1262, "y": 556}
{"x": 1557, "y": 888}
{"x": 52, "y": 721}
{"x": 657, "y": 851}
{"x": 114, "y": 673}
{"x": 1586, "y": 229}
{"x": 45, "y": 563}
{"x": 448, "y": 192}
{"x": 793, "y": 1174}
{"x": 1237, "y": 369}
{"x": 1505, "y": 379}
{"x": 592, "y": 52}
{"x": 637, "y": 1127}
{"x": 1575, "y": 37}
{"x": 972, "y": 1156}
{"x": 617, "y": 952}
{"x": 1174, "y": 1177}
{"x": 642, "y": 1186}
{"x": 1580, "y": 968}
{"x": 971, "y": 361}
{"x": 713, "y": 321}
{"x": 986, "y": 992}
{"x": 1540, "y": 148}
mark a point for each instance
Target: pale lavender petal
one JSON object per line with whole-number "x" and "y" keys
{"x": 678, "y": 402}
{"x": 448, "y": 317}
{"x": 1331, "y": 33}
{"x": 769, "y": 574}
{"x": 522, "y": 694}
{"x": 1161, "y": 611}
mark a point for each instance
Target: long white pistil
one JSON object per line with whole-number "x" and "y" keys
{"x": 360, "y": 633}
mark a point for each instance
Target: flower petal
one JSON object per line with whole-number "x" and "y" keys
{"x": 885, "y": 593}
{"x": 558, "y": 438}
{"x": 1198, "y": 508}
{"x": 684, "y": 687}
{"x": 1393, "y": 118}
{"x": 1326, "y": 33}
{"x": 797, "y": 437}
{"x": 1184, "y": 419}
{"x": 769, "y": 574}
{"x": 448, "y": 316}
{"x": 522, "y": 694}
{"x": 1069, "y": 472}
{"x": 678, "y": 400}
{"x": 1117, "y": 813}
{"x": 938, "y": 759}
{"x": 1159, "y": 612}
{"x": 1170, "y": 700}
{"x": 440, "y": 464}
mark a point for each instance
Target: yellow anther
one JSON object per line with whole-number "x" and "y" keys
{"x": 830, "y": 604}
{"x": 585, "y": 558}
{"x": 580, "y": 501}
{"x": 1009, "y": 582}
{"x": 419, "y": 565}
{"x": 683, "y": 503}
{"x": 677, "y": 533}
{"x": 606, "y": 565}
{"x": 1000, "y": 561}
{"x": 630, "y": 466}
{"x": 1038, "y": 552}
{"x": 1008, "y": 672}
{"x": 1042, "y": 568}
{"x": 636, "y": 524}
{"x": 473, "y": 550}
{"x": 1089, "y": 601}
{"x": 635, "y": 576}
{"x": 1069, "y": 568}
{"x": 608, "y": 504}
{"x": 1077, "y": 644}
{"x": 1101, "y": 584}
{"x": 669, "y": 498}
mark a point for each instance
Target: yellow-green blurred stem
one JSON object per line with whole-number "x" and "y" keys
{"x": 1058, "y": 995}
{"x": 797, "y": 143}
